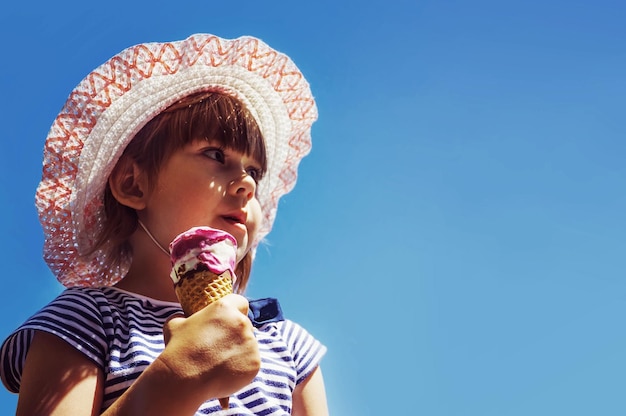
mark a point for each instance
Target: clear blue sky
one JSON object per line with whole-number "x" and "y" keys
{"x": 457, "y": 237}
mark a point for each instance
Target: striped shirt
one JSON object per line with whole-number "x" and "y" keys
{"x": 122, "y": 333}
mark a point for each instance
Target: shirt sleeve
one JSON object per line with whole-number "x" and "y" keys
{"x": 74, "y": 316}
{"x": 306, "y": 351}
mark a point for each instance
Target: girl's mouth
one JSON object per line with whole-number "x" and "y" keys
{"x": 233, "y": 219}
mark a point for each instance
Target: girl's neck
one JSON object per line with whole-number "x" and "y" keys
{"x": 149, "y": 273}
{"x": 136, "y": 283}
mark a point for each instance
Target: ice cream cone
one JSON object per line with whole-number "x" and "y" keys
{"x": 200, "y": 289}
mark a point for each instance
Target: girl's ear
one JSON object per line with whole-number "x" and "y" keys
{"x": 128, "y": 184}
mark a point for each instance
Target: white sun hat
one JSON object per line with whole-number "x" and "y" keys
{"x": 105, "y": 111}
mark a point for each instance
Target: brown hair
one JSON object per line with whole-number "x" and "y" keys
{"x": 207, "y": 115}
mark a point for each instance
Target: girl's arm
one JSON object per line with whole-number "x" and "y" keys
{"x": 58, "y": 380}
{"x": 210, "y": 354}
{"x": 309, "y": 397}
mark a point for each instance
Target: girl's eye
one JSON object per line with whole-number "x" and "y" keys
{"x": 254, "y": 173}
{"x": 215, "y": 154}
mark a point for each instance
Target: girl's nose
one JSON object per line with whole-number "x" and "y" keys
{"x": 243, "y": 185}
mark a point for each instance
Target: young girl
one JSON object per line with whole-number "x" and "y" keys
{"x": 161, "y": 138}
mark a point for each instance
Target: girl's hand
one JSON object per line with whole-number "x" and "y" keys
{"x": 214, "y": 350}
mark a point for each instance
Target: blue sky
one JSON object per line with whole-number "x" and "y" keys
{"x": 456, "y": 237}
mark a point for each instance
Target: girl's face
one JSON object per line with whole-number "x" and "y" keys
{"x": 203, "y": 184}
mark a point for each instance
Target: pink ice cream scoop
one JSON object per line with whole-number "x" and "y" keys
{"x": 202, "y": 249}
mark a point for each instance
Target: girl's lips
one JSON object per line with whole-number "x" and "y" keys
{"x": 235, "y": 225}
{"x": 234, "y": 220}
{"x": 236, "y": 217}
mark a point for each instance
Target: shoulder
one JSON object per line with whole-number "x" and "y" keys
{"x": 75, "y": 316}
{"x": 73, "y": 307}
{"x": 305, "y": 350}
{"x": 76, "y": 299}
{"x": 293, "y": 333}
{"x": 81, "y": 310}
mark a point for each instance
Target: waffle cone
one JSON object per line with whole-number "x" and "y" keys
{"x": 198, "y": 290}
